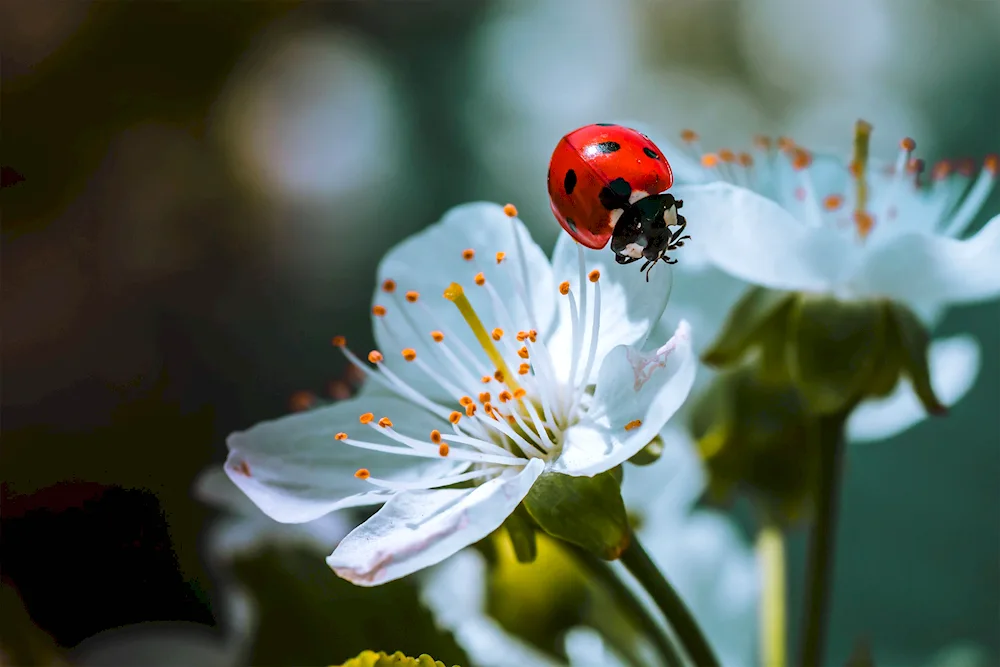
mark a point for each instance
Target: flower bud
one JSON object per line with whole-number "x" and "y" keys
{"x": 397, "y": 659}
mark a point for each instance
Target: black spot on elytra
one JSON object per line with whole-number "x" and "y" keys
{"x": 570, "y": 181}
{"x": 605, "y": 124}
{"x": 607, "y": 146}
{"x": 650, "y": 152}
{"x": 572, "y": 225}
{"x": 615, "y": 194}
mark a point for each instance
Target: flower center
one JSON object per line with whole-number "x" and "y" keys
{"x": 507, "y": 403}
{"x": 945, "y": 205}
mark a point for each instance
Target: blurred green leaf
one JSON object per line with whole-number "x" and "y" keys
{"x": 747, "y": 325}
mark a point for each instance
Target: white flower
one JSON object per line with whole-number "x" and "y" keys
{"x": 784, "y": 219}
{"x": 492, "y": 384}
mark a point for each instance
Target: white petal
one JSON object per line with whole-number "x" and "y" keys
{"x": 753, "y": 238}
{"x": 586, "y": 648}
{"x": 924, "y": 269}
{"x": 675, "y": 481}
{"x": 430, "y": 261}
{"x": 417, "y": 529}
{"x": 954, "y": 365}
{"x": 298, "y": 471}
{"x": 239, "y": 537}
{"x": 632, "y": 385}
{"x": 630, "y": 306}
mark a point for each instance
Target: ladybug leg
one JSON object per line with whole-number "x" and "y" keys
{"x": 675, "y": 236}
{"x": 625, "y": 259}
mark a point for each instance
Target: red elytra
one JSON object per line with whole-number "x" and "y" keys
{"x": 598, "y": 171}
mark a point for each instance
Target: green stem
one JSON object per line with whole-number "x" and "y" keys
{"x": 638, "y": 562}
{"x": 627, "y": 600}
{"x": 771, "y": 555}
{"x": 822, "y": 543}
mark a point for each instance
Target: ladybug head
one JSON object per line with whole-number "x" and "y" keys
{"x": 647, "y": 230}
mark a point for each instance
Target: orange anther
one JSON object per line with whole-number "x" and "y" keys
{"x": 523, "y": 353}
{"x": 339, "y": 341}
{"x": 532, "y": 335}
{"x": 302, "y": 401}
{"x": 941, "y": 170}
{"x": 480, "y": 279}
{"x": 375, "y": 356}
{"x": 409, "y": 354}
{"x": 437, "y": 336}
{"x": 484, "y": 397}
{"x": 832, "y": 202}
{"x": 510, "y": 210}
{"x": 709, "y": 160}
{"x": 990, "y": 163}
{"x": 470, "y": 409}
{"x": 505, "y": 396}
{"x": 727, "y": 155}
{"x": 763, "y": 142}
{"x": 487, "y": 379}
{"x": 690, "y": 136}
{"x": 864, "y": 222}
{"x": 366, "y": 418}
{"x": 511, "y": 419}
{"x": 801, "y": 158}
{"x": 523, "y": 369}
{"x": 594, "y": 276}
{"x": 564, "y": 287}
{"x": 362, "y": 473}
{"x": 468, "y": 254}
{"x": 389, "y": 285}
{"x": 916, "y": 166}
{"x": 340, "y": 436}
{"x": 496, "y": 334}
{"x": 339, "y": 390}
{"x": 378, "y": 311}
{"x": 412, "y": 296}
{"x": 465, "y": 400}
{"x": 519, "y": 393}
{"x": 455, "y": 417}
{"x": 785, "y": 144}
{"x": 384, "y": 422}
{"x": 908, "y": 144}
{"x": 966, "y": 166}
{"x": 521, "y": 336}
{"x": 635, "y": 423}
{"x": 501, "y": 256}
{"x": 746, "y": 159}
{"x": 436, "y": 437}
{"x": 443, "y": 449}
{"x": 498, "y": 375}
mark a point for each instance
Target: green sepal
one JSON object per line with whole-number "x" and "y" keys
{"x": 649, "y": 454}
{"x": 912, "y": 341}
{"x": 833, "y": 349}
{"x": 521, "y": 530}
{"x": 586, "y": 511}
{"x": 397, "y": 659}
{"x": 747, "y": 325}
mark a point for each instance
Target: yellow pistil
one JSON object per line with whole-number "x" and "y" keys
{"x": 859, "y": 166}
{"x": 456, "y": 295}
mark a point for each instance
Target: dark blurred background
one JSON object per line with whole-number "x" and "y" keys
{"x": 209, "y": 186}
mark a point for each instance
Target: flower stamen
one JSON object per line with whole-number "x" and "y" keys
{"x": 863, "y": 221}
{"x": 456, "y": 295}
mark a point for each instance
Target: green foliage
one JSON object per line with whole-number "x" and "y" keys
{"x": 586, "y": 511}
{"x": 836, "y": 352}
{"x": 649, "y": 454}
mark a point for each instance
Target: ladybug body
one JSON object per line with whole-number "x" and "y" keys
{"x": 605, "y": 183}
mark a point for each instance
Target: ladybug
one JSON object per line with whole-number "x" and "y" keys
{"x": 605, "y": 183}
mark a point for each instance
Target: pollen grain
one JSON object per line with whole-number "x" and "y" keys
{"x": 366, "y": 418}
{"x": 634, "y": 424}
{"x": 375, "y": 357}
{"x": 363, "y": 473}
{"x": 510, "y": 210}
{"x": 389, "y": 285}
{"x": 409, "y": 354}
